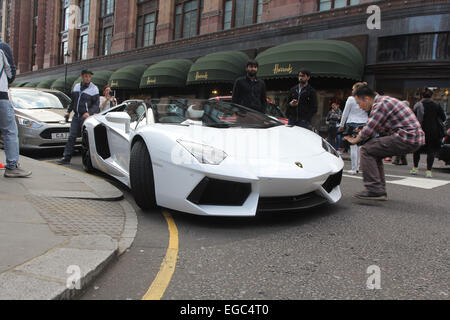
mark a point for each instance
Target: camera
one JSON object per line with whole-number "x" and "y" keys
{"x": 351, "y": 131}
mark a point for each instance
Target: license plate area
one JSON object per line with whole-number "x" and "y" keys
{"x": 60, "y": 135}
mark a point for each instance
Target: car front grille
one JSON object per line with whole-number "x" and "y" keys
{"x": 304, "y": 201}
{"x": 47, "y": 133}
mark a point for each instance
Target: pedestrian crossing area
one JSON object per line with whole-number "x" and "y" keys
{"x": 413, "y": 182}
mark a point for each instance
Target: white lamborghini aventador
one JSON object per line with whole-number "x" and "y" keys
{"x": 211, "y": 157}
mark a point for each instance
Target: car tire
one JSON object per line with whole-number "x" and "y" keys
{"x": 85, "y": 152}
{"x": 141, "y": 176}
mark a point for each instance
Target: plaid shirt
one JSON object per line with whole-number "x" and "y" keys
{"x": 393, "y": 117}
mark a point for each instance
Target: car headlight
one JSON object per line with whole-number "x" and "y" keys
{"x": 29, "y": 123}
{"x": 203, "y": 153}
{"x": 329, "y": 148}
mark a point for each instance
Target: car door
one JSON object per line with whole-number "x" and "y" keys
{"x": 119, "y": 139}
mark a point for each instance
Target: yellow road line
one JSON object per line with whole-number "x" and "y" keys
{"x": 162, "y": 280}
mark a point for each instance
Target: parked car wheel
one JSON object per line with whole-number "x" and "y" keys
{"x": 141, "y": 176}
{"x": 85, "y": 153}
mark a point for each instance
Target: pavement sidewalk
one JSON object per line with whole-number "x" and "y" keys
{"x": 59, "y": 228}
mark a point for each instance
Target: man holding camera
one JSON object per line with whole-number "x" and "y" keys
{"x": 85, "y": 102}
{"x": 302, "y": 105}
{"x": 400, "y": 131}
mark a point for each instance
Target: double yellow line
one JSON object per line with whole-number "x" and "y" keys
{"x": 162, "y": 280}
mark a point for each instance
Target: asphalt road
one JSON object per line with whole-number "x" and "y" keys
{"x": 323, "y": 253}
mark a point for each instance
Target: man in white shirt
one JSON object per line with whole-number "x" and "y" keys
{"x": 354, "y": 117}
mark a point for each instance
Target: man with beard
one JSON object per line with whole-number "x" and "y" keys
{"x": 302, "y": 105}
{"x": 249, "y": 91}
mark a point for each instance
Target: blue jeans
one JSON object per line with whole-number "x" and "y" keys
{"x": 300, "y": 123}
{"x": 8, "y": 128}
{"x": 75, "y": 132}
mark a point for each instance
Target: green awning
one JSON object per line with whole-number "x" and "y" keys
{"x": 127, "y": 77}
{"x": 21, "y": 84}
{"x": 46, "y": 84}
{"x": 99, "y": 78}
{"x": 59, "y": 84}
{"x": 168, "y": 73}
{"x": 31, "y": 85}
{"x": 324, "y": 58}
{"x": 222, "y": 67}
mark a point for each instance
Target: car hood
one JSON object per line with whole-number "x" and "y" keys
{"x": 281, "y": 142}
{"x": 43, "y": 115}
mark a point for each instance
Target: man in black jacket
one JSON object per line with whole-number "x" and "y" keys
{"x": 85, "y": 103}
{"x": 249, "y": 91}
{"x": 302, "y": 102}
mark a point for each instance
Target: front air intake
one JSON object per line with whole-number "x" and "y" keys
{"x": 220, "y": 193}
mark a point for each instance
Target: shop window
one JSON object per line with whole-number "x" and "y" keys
{"x": 336, "y": 4}
{"x": 417, "y": 47}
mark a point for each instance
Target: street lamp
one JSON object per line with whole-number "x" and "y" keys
{"x": 66, "y": 58}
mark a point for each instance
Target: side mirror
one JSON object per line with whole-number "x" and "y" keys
{"x": 120, "y": 117}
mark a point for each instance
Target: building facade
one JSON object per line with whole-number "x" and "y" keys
{"x": 409, "y": 49}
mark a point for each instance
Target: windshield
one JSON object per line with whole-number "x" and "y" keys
{"x": 34, "y": 99}
{"x": 210, "y": 113}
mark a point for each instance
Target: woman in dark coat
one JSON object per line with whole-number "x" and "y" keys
{"x": 430, "y": 115}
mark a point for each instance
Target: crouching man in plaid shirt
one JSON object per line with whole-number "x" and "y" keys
{"x": 401, "y": 134}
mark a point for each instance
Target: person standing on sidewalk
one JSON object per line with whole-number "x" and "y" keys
{"x": 85, "y": 103}
{"x": 8, "y": 125}
{"x": 302, "y": 105}
{"x": 249, "y": 91}
{"x": 403, "y": 135}
{"x": 333, "y": 119}
{"x": 431, "y": 116}
{"x": 353, "y": 117}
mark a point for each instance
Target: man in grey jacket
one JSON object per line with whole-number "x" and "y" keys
{"x": 85, "y": 103}
{"x": 8, "y": 126}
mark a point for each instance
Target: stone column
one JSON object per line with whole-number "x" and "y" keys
{"x": 125, "y": 17}
{"x": 212, "y": 17}
{"x": 40, "y": 49}
{"x": 25, "y": 39}
{"x": 93, "y": 42}
{"x": 166, "y": 17}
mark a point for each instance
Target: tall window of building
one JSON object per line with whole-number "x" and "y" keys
{"x": 83, "y": 32}
{"x": 64, "y": 31}
{"x": 336, "y": 4}
{"x": 106, "y": 27}
{"x": 107, "y": 7}
{"x": 84, "y": 6}
{"x": 188, "y": 18}
{"x": 146, "y": 30}
{"x": 238, "y": 13}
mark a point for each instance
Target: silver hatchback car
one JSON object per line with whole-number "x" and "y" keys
{"x": 40, "y": 119}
